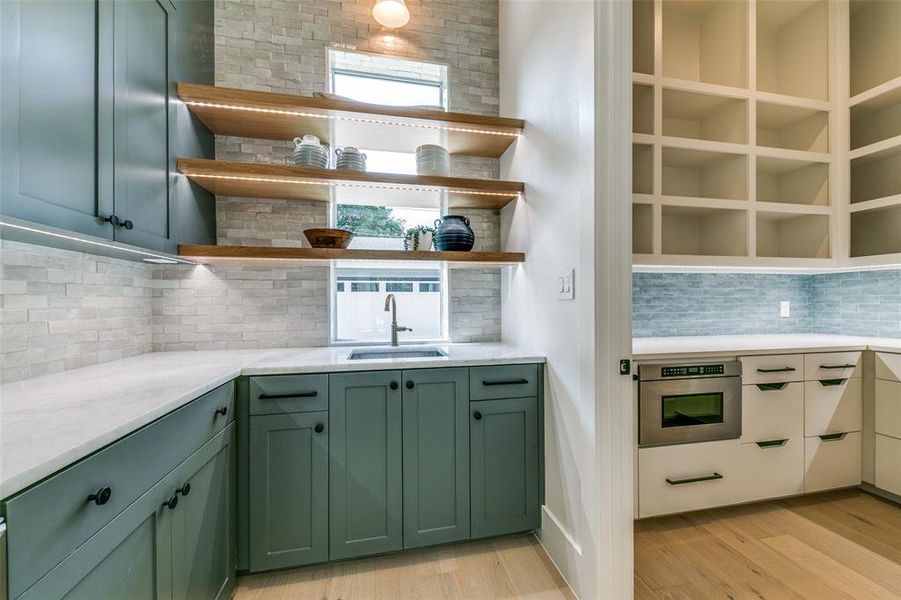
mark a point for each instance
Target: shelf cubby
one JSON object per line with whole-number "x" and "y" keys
{"x": 642, "y": 228}
{"x": 706, "y": 41}
{"x": 792, "y": 127}
{"x": 642, "y": 169}
{"x": 791, "y": 235}
{"x": 643, "y": 36}
{"x": 791, "y": 181}
{"x": 704, "y": 231}
{"x": 642, "y": 108}
{"x": 875, "y": 44}
{"x": 876, "y": 119}
{"x": 876, "y": 175}
{"x": 793, "y": 48}
{"x": 705, "y": 117}
{"x": 875, "y": 232}
{"x": 704, "y": 174}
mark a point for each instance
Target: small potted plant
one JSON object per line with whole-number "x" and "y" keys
{"x": 418, "y": 238}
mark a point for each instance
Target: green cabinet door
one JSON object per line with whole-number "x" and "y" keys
{"x": 141, "y": 109}
{"x": 56, "y": 113}
{"x": 203, "y": 537}
{"x": 288, "y": 490}
{"x": 504, "y": 439}
{"x": 365, "y": 463}
{"x": 436, "y": 456}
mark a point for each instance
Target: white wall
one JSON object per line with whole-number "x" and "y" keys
{"x": 549, "y": 76}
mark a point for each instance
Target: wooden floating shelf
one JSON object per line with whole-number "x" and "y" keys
{"x": 261, "y": 180}
{"x": 266, "y": 115}
{"x": 263, "y": 253}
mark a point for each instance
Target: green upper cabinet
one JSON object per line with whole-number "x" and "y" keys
{"x": 365, "y": 462}
{"x": 288, "y": 490}
{"x": 91, "y": 126}
{"x": 56, "y": 133}
{"x": 505, "y": 466}
{"x": 436, "y": 456}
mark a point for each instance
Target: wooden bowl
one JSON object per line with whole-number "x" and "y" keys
{"x": 328, "y": 238}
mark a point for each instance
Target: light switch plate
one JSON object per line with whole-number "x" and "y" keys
{"x": 785, "y": 309}
{"x": 566, "y": 288}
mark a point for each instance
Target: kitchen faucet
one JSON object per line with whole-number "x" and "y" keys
{"x": 391, "y": 304}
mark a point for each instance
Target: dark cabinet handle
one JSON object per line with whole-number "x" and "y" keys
{"x": 311, "y": 394}
{"x": 393, "y": 385}
{"x": 128, "y": 224}
{"x": 832, "y": 437}
{"x": 410, "y": 385}
{"x": 772, "y": 444}
{"x": 101, "y": 497}
{"x": 713, "y": 477}
{"x": 505, "y": 382}
{"x": 831, "y": 382}
{"x": 171, "y": 503}
{"x": 771, "y": 387}
{"x": 837, "y": 366}
{"x": 319, "y": 428}
{"x": 184, "y": 490}
{"x": 222, "y": 410}
{"x": 778, "y": 370}
{"x": 115, "y": 221}
{"x": 477, "y": 416}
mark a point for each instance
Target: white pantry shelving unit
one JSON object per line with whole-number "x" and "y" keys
{"x": 734, "y": 130}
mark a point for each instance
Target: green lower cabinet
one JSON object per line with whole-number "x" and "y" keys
{"x": 289, "y": 490}
{"x": 435, "y": 456}
{"x": 365, "y": 463}
{"x": 504, "y": 438}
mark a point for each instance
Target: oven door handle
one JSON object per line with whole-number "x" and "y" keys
{"x": 712, "y": 477}
{"x": 778, "y": 370}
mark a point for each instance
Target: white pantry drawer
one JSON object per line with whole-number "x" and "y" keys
{"x": 888, "y": 409}
{"x": 888, "y": 366}
{"x": 832, "y": 408}
{"x": 888, "y": 464}
{"x": 832, "y": 463}
{"x": 674, "y": 479}
{"x": 772, "y": 368}
{"x": 771, "y": 469}
{"x": 831, "y": 365}
{"x": 775, "y": 412}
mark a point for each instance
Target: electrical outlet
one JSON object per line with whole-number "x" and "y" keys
{"x": 566, "y": 289}
{"x": 785, "y": 309}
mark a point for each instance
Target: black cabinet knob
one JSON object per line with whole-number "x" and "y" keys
{"x": 101, "y": 497}
{"x": 184, "y": 490}
{"x": 112, "y": 220}
{"x": 171, "y": 503}
{"x": 128, "y": 224}
{"x": 222, "y": 410}
{"x": 393, "y": 385}
{"x": 477, "y": 416}
{"x": 319, "y": 428}
{"x": 410, "y": 385}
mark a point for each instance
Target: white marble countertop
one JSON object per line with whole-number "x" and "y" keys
{"x": 49, "y": 422}
{"x": 733, "y": 345}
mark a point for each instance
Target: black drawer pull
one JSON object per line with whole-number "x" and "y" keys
{"x": 772, "y": 444}
{"x": 319, "y": 428}
{"x": 477, "y": 416}
{"x": 713, "y": 477}
{"x": 222, "y": 410}
{"x": 837, "y": 366}
{"x": 101, "y": 497}
{"x": 171, "y": 503}
{"x": 832, "y": 437}
{"x": 410, "y": 384}
{"x": 771, "y": 387}
{"x": 505, "y": 382}
{"x": 393, "y": 385}
{"x": 777, "y": 370}
{"x": 184, "y": 490}
{"x": 831, "y": 382}
{"x": 312, "y": 394}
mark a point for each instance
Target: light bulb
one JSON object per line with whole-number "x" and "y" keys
{"x": 391, "y": 13}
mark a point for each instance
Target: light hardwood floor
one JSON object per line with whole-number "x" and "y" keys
{"x": 839, "y": 545}
{"x": 508, "y": 567}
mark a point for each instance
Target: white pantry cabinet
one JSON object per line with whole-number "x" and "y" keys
{"x": 888, "y": 423}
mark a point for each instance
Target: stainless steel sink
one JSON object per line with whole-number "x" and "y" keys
{"x": 399, "y": 352}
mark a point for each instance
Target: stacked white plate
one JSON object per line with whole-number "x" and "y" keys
{"x": 350, "y": 158}
{"x": 432, "y": 159}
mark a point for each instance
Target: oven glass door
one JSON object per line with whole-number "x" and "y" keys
{"x": 681, "y": 411}
{"x": 684, "y": 410}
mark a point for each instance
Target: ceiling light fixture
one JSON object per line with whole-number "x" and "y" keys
{"x": 393, "y": 14}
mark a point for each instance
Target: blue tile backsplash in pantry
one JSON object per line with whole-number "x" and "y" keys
{"x": 675, "y": 304}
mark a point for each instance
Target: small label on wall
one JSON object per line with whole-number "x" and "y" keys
{"x": 785, "y": 309}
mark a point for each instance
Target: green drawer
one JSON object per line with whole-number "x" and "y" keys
{"x": 504, "y": 381}
{"x": 48, "y": 521}
{"x": 280, "y": 394}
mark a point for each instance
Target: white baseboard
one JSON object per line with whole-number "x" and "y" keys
{"x": 563, "y": 550}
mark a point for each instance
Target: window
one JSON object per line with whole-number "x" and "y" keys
{"x": 359, "y": 314}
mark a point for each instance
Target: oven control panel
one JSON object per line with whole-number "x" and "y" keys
{"x": 690, "y": 370}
